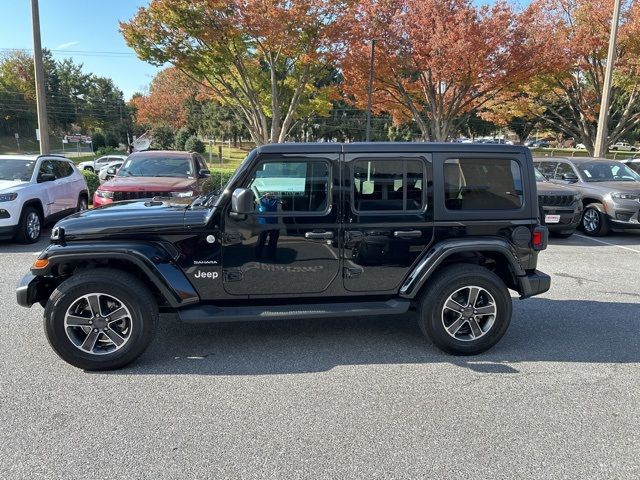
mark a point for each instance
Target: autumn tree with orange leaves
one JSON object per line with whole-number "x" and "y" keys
{"x": 568, "y": 98}
{"x": 437, "y": 60}
{"x": 164, "y": 104}
{"x": 263, "y": 59}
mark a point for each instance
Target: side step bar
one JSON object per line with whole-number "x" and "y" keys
{"x": 213, "y": 314}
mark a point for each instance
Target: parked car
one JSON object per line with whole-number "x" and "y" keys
{"x": 109, "y": 170}
{"x": 610, "y": 191}
{"x": 36, "y": 190}
{"x": 97, "y": 164}
{"x": 151, "y": 174}
{"x": 304, "y": 231}
{"x": 540, "y": 144}
{"x": 623, "y": 147}
{"x": 633, "y": 164}
{"x": 561, "y": 206}
{"x": 580, "y": 146}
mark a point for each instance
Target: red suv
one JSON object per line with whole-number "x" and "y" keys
{"x": 154, "y": 174}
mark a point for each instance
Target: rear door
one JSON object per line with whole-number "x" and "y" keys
{"x": 53, "y": 198}
{"x": 388, "y": 218}
{"x": 66, "y": 184}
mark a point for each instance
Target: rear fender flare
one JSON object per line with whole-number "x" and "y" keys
{"x": 441, "y": 250}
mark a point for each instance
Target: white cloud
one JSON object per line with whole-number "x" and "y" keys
{"x": 63, "y": 46}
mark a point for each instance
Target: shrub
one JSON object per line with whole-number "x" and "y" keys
{"x": 105, "y": 151}
{"x": 194, "y": 144}
{"x": 112, "y": 140}
{"x": 218, "y": 179}
{"x": 93, "y": 182}
{"x": 181, "y": 138}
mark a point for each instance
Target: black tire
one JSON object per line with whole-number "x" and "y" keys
{"x": 83, "y": 203}
{"x": 447, "y": 282}
{"x": 111, "y": 283}
{"x": 28, "y": 231}
{"x": 594, "y": 223}
{"x": 90, "y": 169}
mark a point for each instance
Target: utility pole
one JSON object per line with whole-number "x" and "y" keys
{"x": 602, "y": 143}
{"x": 41, "y": 99}
{"x": 370, "y": 90}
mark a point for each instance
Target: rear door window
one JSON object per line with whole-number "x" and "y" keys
{"x": 396, "y": 185}
{"x": 482, "y": 184}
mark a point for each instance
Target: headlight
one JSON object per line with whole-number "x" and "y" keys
{"x": 104, "y": 194}
{"x": 626, "y": 196}
{"x": 188, "y": 193}
{"x": 8, "y": 197}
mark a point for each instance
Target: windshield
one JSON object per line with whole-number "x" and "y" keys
{"x": 539, "y": 176}
{"x": 17, "y": 169}
{"x": 607, "y": 172}
{"x": 160, "y": 166}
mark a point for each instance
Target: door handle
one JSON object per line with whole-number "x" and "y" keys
{"x": 407, "y": 234}
{"x": 319, "y": 235}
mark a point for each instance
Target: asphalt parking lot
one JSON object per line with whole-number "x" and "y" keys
{"x": 346, "y": 398}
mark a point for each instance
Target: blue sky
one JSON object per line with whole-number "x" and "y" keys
{"x": 71, "y": 27}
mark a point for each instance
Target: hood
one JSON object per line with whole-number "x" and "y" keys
{"x": 10, "y": 184}
{"x": 609, "y": 187}
{"x": 148, "y": 184}
{"x": 548, "y": 188}
{"x": 134, "y": 218}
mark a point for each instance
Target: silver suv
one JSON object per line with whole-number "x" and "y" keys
{"x": 610, "y": 191}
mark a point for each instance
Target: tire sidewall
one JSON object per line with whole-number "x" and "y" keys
{"x": 601, "y": 228}
{"x": 432, "y": 312}
{"x": 143, "y": 326}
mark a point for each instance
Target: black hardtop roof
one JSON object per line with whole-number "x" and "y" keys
{"x": 383, "y": 147}
{"x": 577, "y": 160}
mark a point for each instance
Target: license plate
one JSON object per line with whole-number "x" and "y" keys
{"x": 551, "y": 218}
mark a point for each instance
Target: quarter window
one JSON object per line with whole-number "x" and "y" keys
{"x": 388, "y": 185}
{"x": 291, "y": 186}
{"x": 482, "y": 184}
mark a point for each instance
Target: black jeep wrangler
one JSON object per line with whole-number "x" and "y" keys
{"x": 303, "y": 231}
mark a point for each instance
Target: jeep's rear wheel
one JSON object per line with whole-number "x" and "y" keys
{"x": 101, "y": 319}
{"x": 82, "y": 203}
{"x": 465, "y": 310}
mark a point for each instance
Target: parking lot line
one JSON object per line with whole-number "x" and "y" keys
{"x": 607, "y": 243}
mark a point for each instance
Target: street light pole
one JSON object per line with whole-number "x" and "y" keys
{"x": 41, "y": 99}
{"x": 370, "y": 89}
{"x": 602, "y": 143}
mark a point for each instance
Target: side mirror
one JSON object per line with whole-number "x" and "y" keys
{"x": 203, "y": 173}
{"x": 242, "y": 202}
{"x": 570, "y": 177}
{"x": 46, "y": 177}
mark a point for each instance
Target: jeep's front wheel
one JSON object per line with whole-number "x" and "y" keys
{"x": 465, "y": 310}
{"x": 100, "y": 319}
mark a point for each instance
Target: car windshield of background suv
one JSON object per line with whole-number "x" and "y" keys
{"x": 606, "y": 172}
{"x": 20, "y": 170}
{"x": 157, "y": 167}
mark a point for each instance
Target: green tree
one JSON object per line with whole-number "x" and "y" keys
{"x": 181, "y": 138}
{"x": 163, "y": 137}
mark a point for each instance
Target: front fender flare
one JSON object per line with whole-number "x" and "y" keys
{"x": 441, "y": 250}
{"x": 151, "y": 258}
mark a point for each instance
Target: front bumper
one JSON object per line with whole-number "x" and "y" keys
{"x": 534, "y": 283}
{"x": 569, "y": 218}
{"x": 32, "y": 289}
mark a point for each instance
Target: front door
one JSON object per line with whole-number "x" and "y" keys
{"x": 388, "y": 218}
{"x": 290, "y": 244}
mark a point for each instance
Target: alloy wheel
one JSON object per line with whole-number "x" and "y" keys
{"x": 469, "y": 313}
{"x": 591, "y": 220}
{"x": 33, "y": 225}
{"x": 98, "y": 323}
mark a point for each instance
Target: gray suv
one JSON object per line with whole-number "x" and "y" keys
{"x": 610, "y": 191}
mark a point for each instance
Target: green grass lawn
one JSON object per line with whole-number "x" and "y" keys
{"x": 231, "y": 157}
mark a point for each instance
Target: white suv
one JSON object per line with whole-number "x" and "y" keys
{"x": 37, "y": 189}
{"x": 96, "y": 165}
